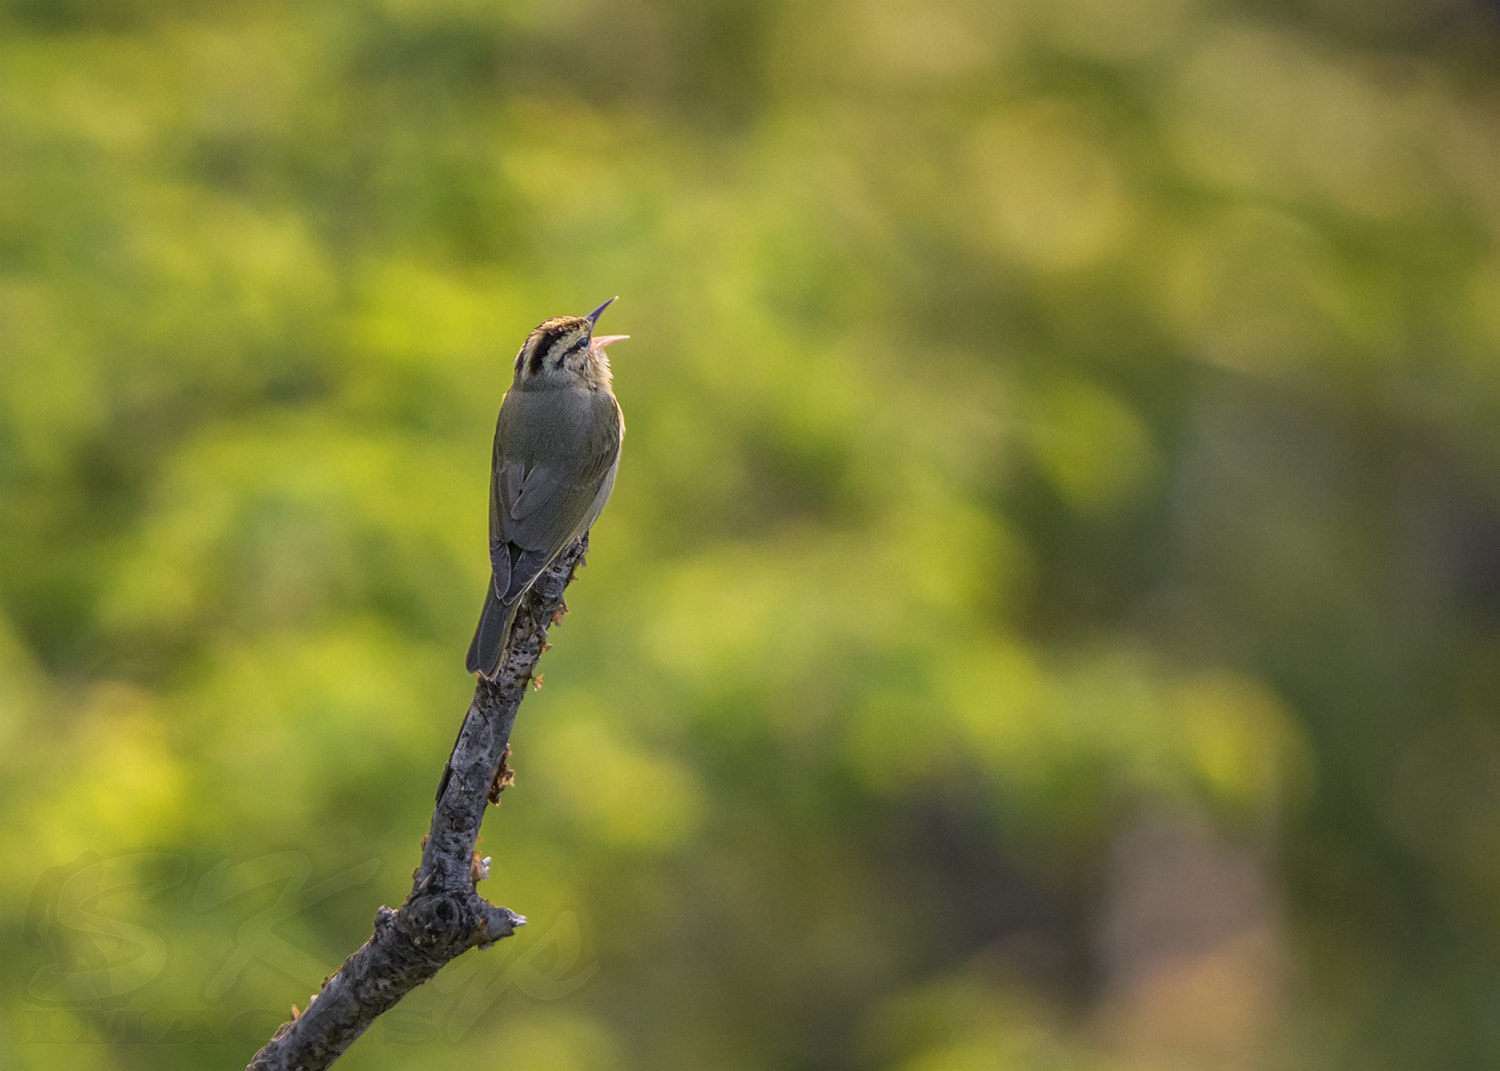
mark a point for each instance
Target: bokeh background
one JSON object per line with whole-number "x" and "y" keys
{"x": 1049, "y": 615}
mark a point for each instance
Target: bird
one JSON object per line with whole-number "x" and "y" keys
{"x": 557, "y": 448}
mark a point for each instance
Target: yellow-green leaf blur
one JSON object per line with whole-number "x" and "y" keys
{"x": 1049, "y": 611}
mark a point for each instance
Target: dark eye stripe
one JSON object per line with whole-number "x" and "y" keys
{"x": 573, "y": 347}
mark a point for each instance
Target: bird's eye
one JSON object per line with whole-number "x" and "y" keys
{"x": 563, "y": 351}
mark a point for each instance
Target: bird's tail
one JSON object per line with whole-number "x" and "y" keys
{"x": 489, "y": 638}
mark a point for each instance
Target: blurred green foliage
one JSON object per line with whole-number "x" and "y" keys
{"x": 1049, "y": 615}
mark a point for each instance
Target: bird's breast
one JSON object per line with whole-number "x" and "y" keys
{"x": 551, "y": 425}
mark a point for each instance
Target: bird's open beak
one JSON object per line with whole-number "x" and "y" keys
{"x": 593, "y": 317}
{"x": 598, "y": 342}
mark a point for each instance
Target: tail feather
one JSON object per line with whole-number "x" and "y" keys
{"x": 488, "y": 644}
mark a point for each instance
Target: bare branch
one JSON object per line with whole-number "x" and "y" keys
{"x": 443, "y": 916}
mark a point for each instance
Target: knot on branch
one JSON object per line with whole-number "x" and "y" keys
{"x": 435, "y": 919}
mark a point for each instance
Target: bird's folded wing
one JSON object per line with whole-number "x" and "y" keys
{"x": 534, "y": 512}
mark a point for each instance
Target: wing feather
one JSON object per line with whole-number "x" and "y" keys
{"x": 536, "y": 509}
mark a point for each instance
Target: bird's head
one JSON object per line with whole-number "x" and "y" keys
{"x": 565, "y": 352}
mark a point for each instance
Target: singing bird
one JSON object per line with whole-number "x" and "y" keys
{"x": 557, "y": 446}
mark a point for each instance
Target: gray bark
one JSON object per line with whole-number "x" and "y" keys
{"x": 443, "y": 915}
